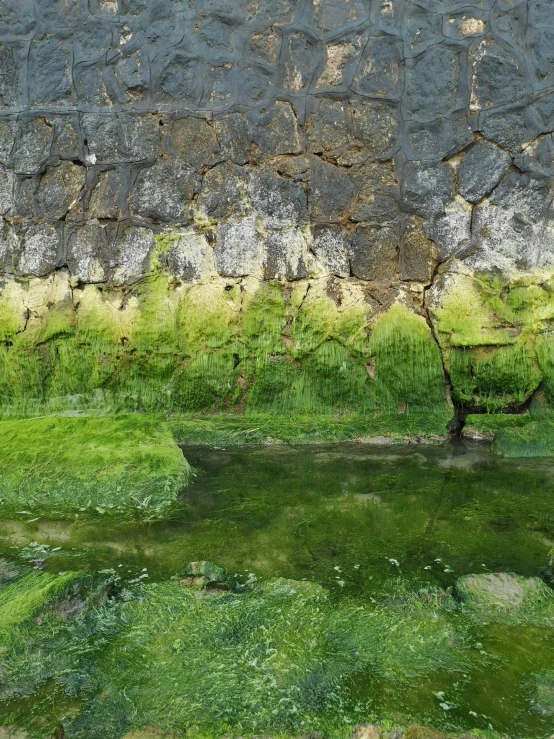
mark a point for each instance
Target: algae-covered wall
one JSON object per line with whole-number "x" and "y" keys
{"x": 280, "y": 205}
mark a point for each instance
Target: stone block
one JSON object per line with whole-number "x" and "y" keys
{"x": 194, "y": 142}
{"x": 164, "y": 192}
{"x": 418, "y": 255}
{"x": 133, "y": 247}
{"x": 280, "y": 202}
{"x": 240, "y": 248}
{"x": 375, "y": 253}
{"x": 41, "y": 249}
{"x": 223, "y": 191}
{"x": 331, "y": 247}
{"x": 376, "y": 193}
{"x": 191, "y": 258}
{"x": 481, "y": 170}
{"x": 50, "y": 80}
{"x": 89, "y": 254}
{"x": 285, "y": 256}
{"x": 104, "y": 202}
{"x": 32, "y": 146}
{"x": 59, "y": 190}
{"x": 331, "y": 190}
{"x": 427, "y": 188}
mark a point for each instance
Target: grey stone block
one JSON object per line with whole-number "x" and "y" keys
{"x": 481, "y": 170}
{"x": 375, "y": 253}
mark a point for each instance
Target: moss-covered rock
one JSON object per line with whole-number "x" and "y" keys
{"x": 507, "y": 598}
{"x": 105, "y": 465}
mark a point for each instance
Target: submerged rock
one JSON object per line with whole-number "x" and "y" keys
{"x": 507, "y": 597}
{"x": 205, "y": 575}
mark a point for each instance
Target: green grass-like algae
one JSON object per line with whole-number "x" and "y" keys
{"x": 107, "y": 464}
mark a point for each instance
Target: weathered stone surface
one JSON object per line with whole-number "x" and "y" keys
{"x": 280, "y": 202}
{"x": 376, "y": 193}
{"x": 41, "y": 250}
{"x": 32, "y": 146}
{"x": 240, "y": 249}
{"x": 331, "y": 248}
{"x": 6, "y": 190}
{"x": 481, "y": 170}
{"x": 59, "y": 190}
{"x": 133, "y": 246}
{"x": 418, "y": 256}
{"x": 331, "y": 191}
{"x": 9, "y": 248}
{"x": 194, "y": 142}
{"x": 88, "y": 253}
{"x": 224, "y": 191}
{"x": 104, "y": 202}
{"x": 191, "y": 258}
{"x": 164, "y": 192}
{"x": 285, "y": 252}
{"x": 427, "y": 188}
{"x": 375, "y": 253}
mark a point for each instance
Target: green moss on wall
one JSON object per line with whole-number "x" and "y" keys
{"x": 313, "y": 348}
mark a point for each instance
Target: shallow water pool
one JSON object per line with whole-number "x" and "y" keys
{"x": 378, "y": 528}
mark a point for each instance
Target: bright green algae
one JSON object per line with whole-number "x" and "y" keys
{"x": 109, "y": 464}
{"x": 386, "y": 534}
{"x": 245, "y": 347}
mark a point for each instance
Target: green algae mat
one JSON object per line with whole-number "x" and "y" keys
{"x": 67, "y": 466}
{"x": 396, "y": 585}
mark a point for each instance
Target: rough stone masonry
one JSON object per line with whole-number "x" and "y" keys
{"x": 241, "y": 188}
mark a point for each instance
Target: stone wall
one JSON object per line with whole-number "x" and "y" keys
{"x": 379, "y": 154}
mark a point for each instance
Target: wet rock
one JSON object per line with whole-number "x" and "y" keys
{"x": 331, "y": 248}
{"x": 50, "y": 71}
{"x": 330, "y": 191}
{"x": 41, "y": 250}
{"x": 427, "y": 188}
{"x": 285, "y": 251}
{"x": 134, "y": 246}
{"x": 481, "y": 170}
{"x": 281, "y": 203}
{"x": 498, "y": 77}
{"x": 88, "y": 253}
{"x": 239, "y": 250}
{"x": 205, "y": 575}
{"x": 418, "y": 256}
{"x": 191, "y": 258}
{"x": 376, "y": 193}
{"x": 32, "y": 146}
{"x": 504, "y": 595}
{"x": 164, "y": 192}
{"x": 194, "y": 142}
{"x": 59, "y": 190}
{"x": 104, "y": 199}
{"x": 375, "y": 253}
{"x": 432, "y": 83}
{"x": 224, "y": 191}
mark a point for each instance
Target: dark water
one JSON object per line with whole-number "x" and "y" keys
{"x": 352, "y": 518}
